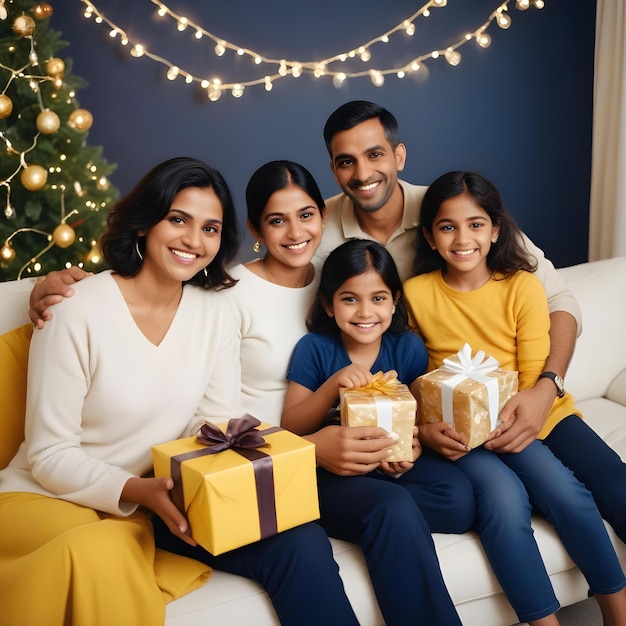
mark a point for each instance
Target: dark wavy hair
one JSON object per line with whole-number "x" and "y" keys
{"x": 272, "y": 177}
{"x": 150, "y": 201}
{"x": 352, "y": 258}
{"x": 506, "y": 256}
{"x": 350, "y": 114}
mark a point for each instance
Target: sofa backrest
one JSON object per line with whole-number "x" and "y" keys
{"x": 600, "y": 354}
{"x": 14, "y": 303}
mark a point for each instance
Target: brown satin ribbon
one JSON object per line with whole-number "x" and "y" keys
{"x": 263, "y": 476}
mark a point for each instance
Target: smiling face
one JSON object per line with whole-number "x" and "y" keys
{"x": 366, "y": 165}
{"x": 291, "y": 228}
{"x": 462, "y": 233}
{"x": 187, "y": 239}
{"x": 363, "y": 308}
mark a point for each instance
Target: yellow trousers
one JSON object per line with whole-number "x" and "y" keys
{"x": 64, "y": 564}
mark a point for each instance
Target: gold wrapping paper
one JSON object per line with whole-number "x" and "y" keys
{"x": 220, "y": 494}
{"x": 470, "y": 402}
{"x": 388, "y": 404}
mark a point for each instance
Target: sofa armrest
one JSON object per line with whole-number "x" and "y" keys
{"x": 617, "y": 389}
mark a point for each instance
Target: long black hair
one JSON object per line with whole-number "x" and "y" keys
{"x": 352, "y": 258}
{"x": 506, "y": 256}
{"x": 150, "y": 201}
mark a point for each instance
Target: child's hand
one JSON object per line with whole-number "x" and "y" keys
{"x": 400, "y": 467}
{"x": 353, "y": 375}
{"x": 351, "y": 450}
{"x": 442, "y": 438}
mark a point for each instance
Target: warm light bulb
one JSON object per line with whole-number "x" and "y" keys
{"x": 237, "y": 91}
{"x": 172, "y": 73}
{"x": 377, "y": 78}
{"x": 504, "y": 21}
{"x": 338, "y": 80}
{"x": 137, "y": 50}
{"x": 483, "y": 40}
{"x": 366, "y": 55}
{"x": 522, "y": 5}
{"x": 453, "y": 57}
{"x": 268, "y": 84}
{"x": 219, "y": 49}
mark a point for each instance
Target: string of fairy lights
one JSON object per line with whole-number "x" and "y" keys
{"x": 277, "y": 69}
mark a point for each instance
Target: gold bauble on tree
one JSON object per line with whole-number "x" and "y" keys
{"x": 55, "y": 67}
{"x": 6, "y": 106}
{"x": 80, "y": 119}
{"x": 63, "y": 235}
{"x": 43, "y": 11}
{"x": 48, "y": 122}
{"x": 23, "y": 25}
{"x": 6, "y": 252}
{"x": 33, "y": 177}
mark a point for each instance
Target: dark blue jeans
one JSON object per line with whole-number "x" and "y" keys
{"x": 296, "y": 568}
{"x": 596, "y": 465}
{"x": 383, "y": 515}
{"x": 507, "y": 488}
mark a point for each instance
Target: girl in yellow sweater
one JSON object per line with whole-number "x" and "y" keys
{"x": 475, "y": 285}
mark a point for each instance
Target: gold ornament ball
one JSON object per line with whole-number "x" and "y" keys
{"x": 6, "y": 252}
{"x": 48, "y": 122}
{"x": 23, "y": 25}
{"x": 33, "y": 177}
{"x": 43, "y": 11}
{"x": 63, "y": 235}
{"x": 6, "y": 106}
{"x": 80, "y": 119}
{"x": 55, "y": 67}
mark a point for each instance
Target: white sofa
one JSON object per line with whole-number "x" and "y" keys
{"x": 597, "y": 379}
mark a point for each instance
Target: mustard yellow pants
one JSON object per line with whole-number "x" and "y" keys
{"x": 64, "y": 564}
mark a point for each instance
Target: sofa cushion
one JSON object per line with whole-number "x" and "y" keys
{"x": 596, "y": 361}
{"x": 14, "y": 347}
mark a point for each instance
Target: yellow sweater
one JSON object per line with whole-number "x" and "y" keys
{"x": 507, "y": 318}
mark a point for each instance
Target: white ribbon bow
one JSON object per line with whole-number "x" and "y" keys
{"x": 464, "y": 366}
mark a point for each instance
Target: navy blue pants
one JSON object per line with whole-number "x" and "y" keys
{"x": 392, "y": 520}
{"x": 596, "y": 465}
{"x": 296, "y": 568}
{"x": 507, "y": 488}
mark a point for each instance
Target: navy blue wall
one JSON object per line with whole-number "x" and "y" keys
{"x": 520, "y": 111}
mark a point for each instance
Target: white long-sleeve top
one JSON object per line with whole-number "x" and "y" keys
{"x": 100, "y": 394}
{"x": 269, "y": 319}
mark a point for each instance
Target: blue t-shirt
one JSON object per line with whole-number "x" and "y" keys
{"x": 317, "y": 356}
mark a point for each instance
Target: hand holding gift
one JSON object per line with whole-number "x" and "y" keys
{"x": 384, "y": 402}
{"x": 468, "y": 393}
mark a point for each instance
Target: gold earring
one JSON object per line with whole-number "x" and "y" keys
{"x": 206, "y": 272}
{"x": 257, "y": 246}
{"x": 137, "y": 249}
{"x": 495, "y": 240}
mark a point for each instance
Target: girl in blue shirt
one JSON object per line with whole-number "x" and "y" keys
{"x": 358, "y": 326}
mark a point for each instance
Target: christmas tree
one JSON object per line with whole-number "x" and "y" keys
{"x": 54, "y": 190}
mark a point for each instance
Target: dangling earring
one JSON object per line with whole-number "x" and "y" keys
{"x": 257, "y": 246}
{"x": 494, "y": 240}
{"x": 205, "y": 271}
{"x": 137, "y": 249}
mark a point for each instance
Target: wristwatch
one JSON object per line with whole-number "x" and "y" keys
{"x": 558, "y": 382}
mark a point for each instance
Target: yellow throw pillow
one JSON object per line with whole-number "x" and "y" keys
{"x": 14, "y": 347}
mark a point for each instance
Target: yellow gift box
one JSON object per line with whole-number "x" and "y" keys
{"x": 385, "y": 403}
{"x": 466, "y": 392}
{"x": 239, "y": 495}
